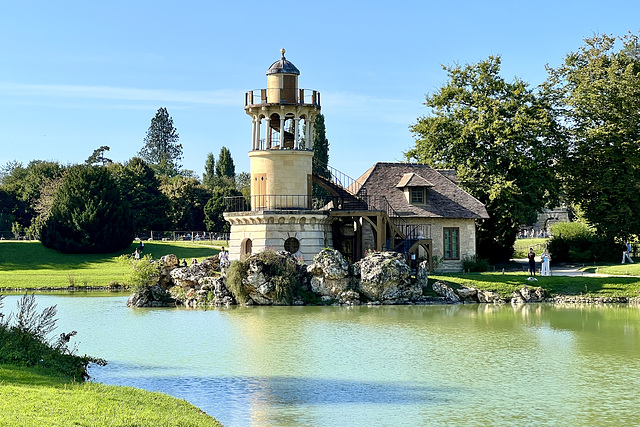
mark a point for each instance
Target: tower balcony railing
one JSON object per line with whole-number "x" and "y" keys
{"x": 282, "y": 96}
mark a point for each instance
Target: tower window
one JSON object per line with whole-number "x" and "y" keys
{"x": 291, "y": 245}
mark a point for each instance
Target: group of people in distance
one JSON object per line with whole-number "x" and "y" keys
{"x": 545, "y": 260}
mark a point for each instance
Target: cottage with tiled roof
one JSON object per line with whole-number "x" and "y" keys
{"x": 429, "y": 201}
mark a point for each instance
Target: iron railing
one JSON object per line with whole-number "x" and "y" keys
{"x": 282, "y": 96}
{"x": 343, "y": 180}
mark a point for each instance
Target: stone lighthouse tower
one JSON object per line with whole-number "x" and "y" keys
{"x": 280, "y": 214}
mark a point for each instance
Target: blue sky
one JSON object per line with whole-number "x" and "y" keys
{"x": 78, "y": 75}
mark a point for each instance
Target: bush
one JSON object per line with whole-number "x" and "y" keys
{"x": 23, "y": 342}
{"x": 88, "y": 214}
{"x": 144, "y": 272}
{"x": 475, "y": 264}
{"x": 576, "y": 242}
{"x": 236, "y": 272}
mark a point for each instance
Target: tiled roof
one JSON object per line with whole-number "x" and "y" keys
{"x": 413, "y": 180}
{"x": 444, "y": 199}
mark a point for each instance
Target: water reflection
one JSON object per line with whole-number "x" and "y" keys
{"x": 472, "y": 364}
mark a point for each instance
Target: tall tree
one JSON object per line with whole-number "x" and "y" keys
{"x": 225, "y": 166}
{"x": 161, "y": 149}
{"x": 98, "y": 156}
{"x": 501, "y": 139}
{"x": 187, "y": 199}
{"x": 87, "y": 214}
{"x": 320, "y": 148}
{"x": 214, "y": 209}
{"x": 596, "y": 93}
{"x": 209, "y": 175}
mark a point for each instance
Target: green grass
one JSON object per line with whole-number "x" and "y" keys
{"x": 30, "y": 397}
{"x": 521, "y": 246}
{"x": 506, "y": 284}
{"x": 29, "y": 265}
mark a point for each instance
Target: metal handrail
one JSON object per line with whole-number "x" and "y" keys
{"x": 301, "y": 96}
{"x": 346, "y": 182}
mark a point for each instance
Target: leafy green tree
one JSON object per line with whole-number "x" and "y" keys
{"x": 596, "y": 94}
{"x": 161, "y": 149}
{"x": 141, "y": 191}
{"x": 87, "y": 214}
{"x": 215, "y": 207}
{"x": 187, "y": 199}
{"x": 225, "y": 166}
{"x": 501, "y": 139}
{"x": 98, "y": 156}
{"x": 209, "y": 175}
{"x": 243, "y": 183}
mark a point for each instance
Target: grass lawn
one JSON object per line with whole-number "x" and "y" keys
{"x": 505, "y": 284}
{"x": 521, "y": 246}
{"x": 29, "y": 265}
{"x": 30, "y": 397}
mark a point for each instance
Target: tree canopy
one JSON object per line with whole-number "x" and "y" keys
{"x": 225, "y": 166}
{"x": 501, "y": 139}
{"x": 209, "y": 175}
{"x": 320, "y": 148}
{"x": 161, "y": 149}
{"x": 596, "y": 95}
{"x": 87, "y": 214}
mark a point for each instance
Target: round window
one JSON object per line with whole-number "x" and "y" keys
{"x": 291, "y": 245}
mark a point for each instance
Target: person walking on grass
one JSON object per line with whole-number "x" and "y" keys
{"x": 532, "y": 262}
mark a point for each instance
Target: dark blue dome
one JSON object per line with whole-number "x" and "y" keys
{"x": 283, "y": 66}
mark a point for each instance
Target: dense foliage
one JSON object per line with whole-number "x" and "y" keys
{"x": 596, "y": 94}
{"x": 225, "y": 166}
{"x": 215, "y": 207}
{"x": 577, "y": 242}
{"x": 209, "y": 175}
{"x": 87, "y": 214}
{"x": 161, "y": 149}
{"x": 501, "y": 138}
{"x": 24, "y": 342}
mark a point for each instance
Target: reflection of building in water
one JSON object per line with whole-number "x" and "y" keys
{"x": 408, "y": 208}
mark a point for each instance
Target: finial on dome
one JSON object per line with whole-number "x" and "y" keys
{"x": 282, "y": 51}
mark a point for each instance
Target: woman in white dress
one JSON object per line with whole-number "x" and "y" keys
{"x": 546, "y": 259}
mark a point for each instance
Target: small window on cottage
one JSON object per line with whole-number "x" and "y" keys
{"x": 417, "y": 195}
{"x": 451, "y": 243}
{"x": 291, "y": 245}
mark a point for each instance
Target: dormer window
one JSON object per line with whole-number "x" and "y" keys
{"x": 414, "y": 188}
{"x": 417, "y": 195}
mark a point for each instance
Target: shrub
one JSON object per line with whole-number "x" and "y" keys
{"x": 144, "y": 272}
{"x": 88, "y": 214}
{"x": 236, "y": 272}
{"x": 473, "y": 263}
{"x": 24, "y": 342}
{"x": 576, "y": 242}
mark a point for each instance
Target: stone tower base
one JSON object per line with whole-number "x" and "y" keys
{"x": 304, "y": 233}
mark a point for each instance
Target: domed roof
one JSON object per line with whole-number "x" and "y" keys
{"x": 283, "y": 66}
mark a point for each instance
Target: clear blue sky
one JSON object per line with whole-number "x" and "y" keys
{"x": 78, "y": 75}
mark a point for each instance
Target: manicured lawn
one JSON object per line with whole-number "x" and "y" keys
{"x": 521, "y": 246}
{"x": 29, "y": 265}
{"x": 30, "y": 397}
{"x": 506, "y": 284}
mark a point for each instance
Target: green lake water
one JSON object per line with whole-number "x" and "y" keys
{"x": 465, "y": 365}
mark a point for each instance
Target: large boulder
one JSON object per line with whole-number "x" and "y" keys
{"x": 192, "y": 275}
{"x": 422, "y": 274}
{"x": 329, "y": 273}
{"x": 446, "y": 291}
{"x": 386, "y": 276}
{"x": 490, "y": 297}
{"x": 151, "y": 296}
{"x": 271, "y": 277}
{"x": 527, "y": 295}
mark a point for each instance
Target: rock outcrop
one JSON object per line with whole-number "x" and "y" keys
{"x": 330, "y": 273}
{"x": 385, "y": 276}
{"x": 152, "y": 296}
{"x": 270, "y": 279}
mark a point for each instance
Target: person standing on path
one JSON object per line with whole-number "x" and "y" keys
{"x": 532, "y": 262}
{"x": 626, "y": 251}
{"x": 546, "y": 259}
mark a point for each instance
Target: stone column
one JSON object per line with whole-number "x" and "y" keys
{"x": 258, "y": 121}
{"x": 296, "y": 123}
{"x": 281, "y": 132}
{"x": 253, "y": 135}
{"x": 307, "y": 129}
{"x": 268, "y": 122}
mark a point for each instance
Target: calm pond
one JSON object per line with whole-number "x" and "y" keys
{"x": 371, "y": 366}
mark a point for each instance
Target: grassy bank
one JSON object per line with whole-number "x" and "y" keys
{"x": 505, "y": 284}
{"x": 29, "y": 265}
{"x": 30, "y": 397}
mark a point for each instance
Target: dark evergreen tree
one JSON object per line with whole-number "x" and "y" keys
{"x": 187, "y": 198}
{"x": 209, "y": 175}
{"x": 215, "y": 207}
{"x": 320, "y": 148}
{"x": 225, "y": 166}
{"x": 161, "y": 149}
{"x": 98, "y": 157}
{"x": 88, "y": 214}
{"x": 141, "y": 191}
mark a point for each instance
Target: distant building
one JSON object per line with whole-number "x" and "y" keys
{"x": 410, "y": 208}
